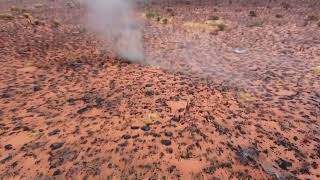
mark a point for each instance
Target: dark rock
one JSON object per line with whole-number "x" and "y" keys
{"x": 14, "y": 164}
{"x": 82, "y": 110}
{"x": 26, "y": 128}
{"x": 135, "y": 136}
{"x": 54, "y": 132}
{"x": 252, "y": 14}
{"x": 126, "y": 136}
{"x": 305, "y": 169}
{"x": 145, "y": 128}
{"x": 171, "y": 168}
{"x": 175, "y": 118}
{"x": 169, "y": 150}
{"x": 283, "y": 164}
{"x": 134, "y": 127}
{"x": 5, "y": 95}
{"x": 8, "y": 146}
{"x": 57, "y": 172}
{"x": 55, "y": 146}
{"x": 124, "y": 144}
{"x": 247, "y": 156}
{"x": 36, "y": 88}
{"x": 149, "y": 92}
{"x": 314, "y": 165}
{"x": 168, "y": 133}
{"x": 6, "y": 158}
{"x": 57, "y": 158}
{"x": 166, "y": 142}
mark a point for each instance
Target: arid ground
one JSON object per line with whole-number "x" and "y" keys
{"x": 228, "y": 90}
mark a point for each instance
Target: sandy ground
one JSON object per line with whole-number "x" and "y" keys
{"x": 240, "y": 103}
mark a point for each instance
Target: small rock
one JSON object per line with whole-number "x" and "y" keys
{"x": 149, "y": 91}
{"x": 36, "y": 88}
{"x": 213, "y": 18}
{"x": 283, "y": 164}
{"x": 57, "y": 172}
{"x": 252, "y": 14}
{"x": 6, "y": 158}
{"x": 145, "y": 128}
{"x": 168, "y": 133}
{"x": 134, "y": 127}
{"x": 247, "y": 156}
{"x": 175, "y": 118}
{"x": 54, "y": 132}
{"x": 8, "y": 146}
{"x": 124, "y": 144}
{"x": 126, "y": 136}
{"x": 166, "y": 142}
{"x": 14, "y": 164}
{"x": 82, "y": 110}
{"x": 169, "y": 150}
{"x": 135, "y": 136}
{"x": 55, "y": 146}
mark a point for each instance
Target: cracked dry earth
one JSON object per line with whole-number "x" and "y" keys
{"x": 70, "y": 110}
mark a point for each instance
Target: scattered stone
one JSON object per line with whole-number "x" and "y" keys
{"x": 135, "y": 136}
{"x": 239, "y": 50}
{"x": 213, "y": 18}
{"x": 149, "y": 91}
{"x": 55, "y": 23}
{"x": 279, "y": 16}
{"x": 166, "y": 142}
{"x": 36, "y": 88}
{"x": 252, "y": 14}
{"x": 316, "y": 70}
{"x": 54, "y": 132}
{"x": 285, "y": 5}
{"x": 14, "y": 164}
{"x": 126, "y": 136}
{"x": 150, "y": 118}
{"x": 6, "y": 16}
{"x": 247, "y": 156}
{"x": 176, "y": 106}
{"x": 82, "y": 110}
{"x": 6, "y": 158}
{"x": 168, "y": 133}
{"x": 175, "y": 118}
{"x": 151, "y": 14}
{"x": 283, "y": 164}
{"x": 55, "y": 146}
{"x": 57, "y": 172}
{"x": 145, "y": 128}
{"x": 8, "y": 146}
{"x": 164, "y": 20}
{"x": 312, "y": 18}
{"x": 124, "y": 144}
{"x": 169, "y": 150}
{"x": 134, "y": 127}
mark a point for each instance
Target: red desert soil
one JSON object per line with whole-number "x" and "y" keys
{"x": 240, "y": 102}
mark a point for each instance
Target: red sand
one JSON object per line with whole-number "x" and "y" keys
{"x": 71, "y": 110}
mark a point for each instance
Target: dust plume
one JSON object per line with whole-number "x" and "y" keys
{"x": 115, "y": 20}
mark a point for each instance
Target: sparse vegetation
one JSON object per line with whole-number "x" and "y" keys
{"x": 312, "y": 17}
{"x": 152, "y": 14}
{"x": 213, "y": 18}
{"x": 6, "y": 16}
{"x": 256, "y": 24}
